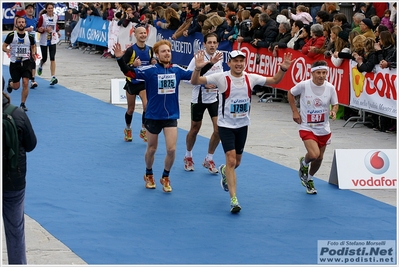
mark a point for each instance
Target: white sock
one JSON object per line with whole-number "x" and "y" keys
{"x": 310, "y": 177}
{"x": 304, "y": 163}
{"x": 128, "y": 127}
{"x": 209, "y": 157}
{"x": 189, "y": 154}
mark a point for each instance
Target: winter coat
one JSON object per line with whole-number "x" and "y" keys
{"x": 14, "y": 179}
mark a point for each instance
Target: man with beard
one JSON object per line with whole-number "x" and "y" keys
{"x": 20, "y": 46}
{"x": 162, "y": 86}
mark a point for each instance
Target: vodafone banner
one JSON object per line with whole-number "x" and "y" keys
{"x": 262, "y": 61}
{"x": 374, "y": 91}
{"x": 364, "y": 169}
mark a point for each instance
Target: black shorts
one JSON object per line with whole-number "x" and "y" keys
{"x": 134, "y": 88}
{"x": 156, "y": 126}
{"x": 20, "y": 70}
{"x": 198, "y": 109}
{"x": 233, "y": 139}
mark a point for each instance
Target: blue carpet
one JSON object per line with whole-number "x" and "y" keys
{"x": 85, "y": 186}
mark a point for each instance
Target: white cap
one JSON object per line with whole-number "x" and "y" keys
{"x": 236, "y": 53}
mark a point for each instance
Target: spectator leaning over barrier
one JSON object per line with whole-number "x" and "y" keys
{"x": 316, "y": 41}
{"x": 366, "y": 27}
{"x": 194, "y": 26}
{"x": 267, "y": 32}
{"x": 283, "y": 37}
{"x": 231, "y": 32}
{"x": 108, "y": 11}
{"x": 386, "y": 50}
{"x": 183, "y": 27}
{"x": 296, "y": 31}
{"x": 162, "y": 86}
{"x": 356, "y": 20}
{"x": 341, "y": 45}
{"x": 172, "y": 20}
{"x": 370, "y": 59}
{"x": 329, "y": 47}
{"x": 216, "y": 24}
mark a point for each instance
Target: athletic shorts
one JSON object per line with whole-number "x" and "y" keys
{"x": 156, "y": 126}
{"x": 233, "y": 139}
{"x": 20, "y": 70}
{"x": 321, "y": 141}
{"x": 198, "y": 109}
{"x": 134, "y": 88}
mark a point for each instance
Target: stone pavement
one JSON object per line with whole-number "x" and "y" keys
{"x": 272, "y": 135}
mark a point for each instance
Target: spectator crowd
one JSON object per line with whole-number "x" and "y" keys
{"x": 368, "y": 36}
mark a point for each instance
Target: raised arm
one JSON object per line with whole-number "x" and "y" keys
{"x": 196, "y": 79}
{"x": 118, "y": 52}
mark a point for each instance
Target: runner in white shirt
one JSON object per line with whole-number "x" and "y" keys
{"x": 235, "y": 88}
{"x": 316, "y": 96}
{"x": 204, "y": 97}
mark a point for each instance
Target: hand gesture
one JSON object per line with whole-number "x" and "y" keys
{"x": 199, "y": 59}
{"x": 118, "y": 52}
{"x": 287, "y": 61}
{"x": 216, "y": 57}
{"x": 137, "y": 62}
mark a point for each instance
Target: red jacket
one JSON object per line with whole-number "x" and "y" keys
{"x": 318, "y": 42}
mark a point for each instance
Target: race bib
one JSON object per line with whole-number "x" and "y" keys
{"x": 239, "y": 108}
{"x": 22, "y": 51}
{"x": 166, "y": 83}
{"x": 315, "y": 120}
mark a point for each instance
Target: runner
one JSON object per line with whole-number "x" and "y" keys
{"x": 137, "y": 55}
{"x": 30, "y": 27}
{"x": 162, "y": 82}
{"x": 20, "y": 46}
{"x": 204, "y": 97}
{"x": 316, "y": 96}
{"x": 235, "y": 88}
{"x": 49, "y": 36}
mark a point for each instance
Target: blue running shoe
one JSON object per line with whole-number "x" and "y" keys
{"x": 39, "y": 70}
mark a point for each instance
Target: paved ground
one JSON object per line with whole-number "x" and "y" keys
{"x": 272, "y": 135}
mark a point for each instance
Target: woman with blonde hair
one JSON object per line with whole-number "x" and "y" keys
{"x": 172, "y": 20}
{"x": 367, "y": 62}
{"x": 212, "y": 24}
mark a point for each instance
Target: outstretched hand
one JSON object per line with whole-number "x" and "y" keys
{"x": 118, "y": 52}
{"x": 287, "y": 60}
{"x": 216, "y": 57}
{"x": 199, "y": 59}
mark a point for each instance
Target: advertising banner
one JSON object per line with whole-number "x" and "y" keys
{"x": 93, "y": 30}
{"x": 374, "y": 91}
{"x": 364, "y": 169}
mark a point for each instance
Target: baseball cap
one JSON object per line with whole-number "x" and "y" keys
{"x": 29, "y": 5}
{"x": 236, "y": 53}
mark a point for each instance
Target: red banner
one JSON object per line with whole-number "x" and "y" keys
{"x": 262, "y": 61}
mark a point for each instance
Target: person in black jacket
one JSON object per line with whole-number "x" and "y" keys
{"x": 14, "y": 187}
{"x": 266, "y": 33}
{"x": 370, "y": 59}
